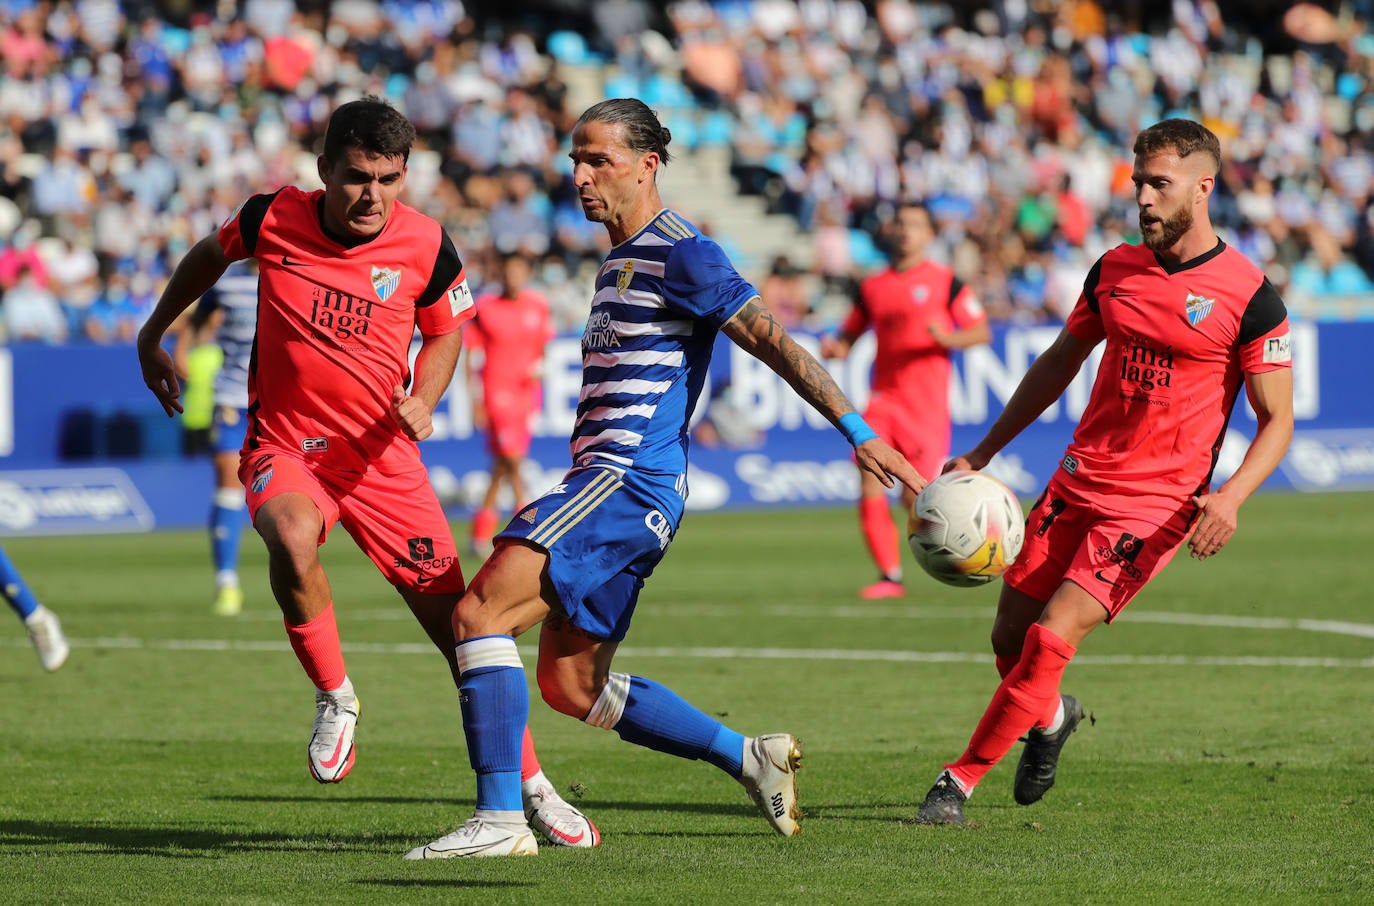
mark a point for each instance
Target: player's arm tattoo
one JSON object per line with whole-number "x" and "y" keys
{"x": 755, "y": 330}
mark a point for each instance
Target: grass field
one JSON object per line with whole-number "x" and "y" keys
{"x": 1230, "y": 760}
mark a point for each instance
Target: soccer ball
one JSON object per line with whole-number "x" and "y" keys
{"x": 966, "y": 528}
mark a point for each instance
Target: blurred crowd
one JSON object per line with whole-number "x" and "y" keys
{"x": 130, "y": 129}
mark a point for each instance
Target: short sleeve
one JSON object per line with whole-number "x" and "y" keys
{"x": 698, "y": 278}
{"x": 238, "y": 235}
{"x": 964, "y": 308}
{"x": 446, "y": 301}
{"x": 1085, "y": 321}
{"x": 1265, "y": 337}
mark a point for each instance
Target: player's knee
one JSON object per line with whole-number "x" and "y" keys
{"x": 290, "y": 532}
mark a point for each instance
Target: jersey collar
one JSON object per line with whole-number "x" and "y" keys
{"x": 1191, "y": 263}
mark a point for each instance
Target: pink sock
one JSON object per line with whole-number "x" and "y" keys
{"x": 317, "y": 647}
{"x": 529, "y": 762}
{"x": 1027, "y": 693}
{"x": 880, "y": 534}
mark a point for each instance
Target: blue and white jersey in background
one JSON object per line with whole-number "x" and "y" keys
{"x": 661, "y": 296}
{"x": 236, "y": 294}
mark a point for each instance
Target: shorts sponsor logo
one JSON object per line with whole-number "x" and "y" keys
{"x": 1069, "y": 463}
{"x": 1123, "y": 554}
{"x": 315, "y": 444}
{"x": 421, "y": 557}
{"x": 660, "y": 526}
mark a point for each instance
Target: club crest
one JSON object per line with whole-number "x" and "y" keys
{"x": 622, "y": 279}
{"x": 1197, "y": 307}
{"x": 385, "y": 281}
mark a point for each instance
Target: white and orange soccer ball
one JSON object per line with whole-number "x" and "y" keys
{"x": 966, "y": 528}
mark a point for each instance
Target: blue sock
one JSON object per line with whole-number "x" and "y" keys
{"x": 226, "y": 532}
{"x": 658, "y": 718}
{"x": 495, "y": 701}
{"x": 15, "y": 589}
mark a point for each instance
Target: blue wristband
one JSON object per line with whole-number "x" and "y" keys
{"x": 855, "y": 429}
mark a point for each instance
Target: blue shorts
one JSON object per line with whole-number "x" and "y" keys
{"x": 226, "y": 432}
{"x": 604, "y": 533}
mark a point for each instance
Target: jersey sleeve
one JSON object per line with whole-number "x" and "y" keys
{"x": 1085, "y": 321}
{"x": 238, "y": 236}
{"x": 856, "y": 322}
{"x": 446, "y": 301}
{"x": 1264, "y": 333}
{"x": 964, "y": 308}
{"x": 698, "y": 278}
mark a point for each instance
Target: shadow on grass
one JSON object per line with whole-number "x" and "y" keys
{"x": 179, "y": 842}
{"x": 743, "y": 807}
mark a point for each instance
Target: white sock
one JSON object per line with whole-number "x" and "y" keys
{"x": 344, "y": 692}
{"x": 527, "y": 787}
{"x": 504, "y": 819}
{"x": 1058, "y": 719}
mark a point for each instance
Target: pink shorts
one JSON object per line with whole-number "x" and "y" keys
{"x": 395, "y": 519}
{"x": 1071, "y": 537}
{"x": 924, "y": 445}
{"x": 509, "y": 414}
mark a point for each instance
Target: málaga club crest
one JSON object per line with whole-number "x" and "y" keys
{"x": 1197, "y": 307}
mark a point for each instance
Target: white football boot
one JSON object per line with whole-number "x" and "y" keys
{"x": 331, "y": 750}
{"x": 770, "y": 775}
{"x": 557, "y": 821}
{"x": 46, "y": 634}
{"x": 479, "y": 838}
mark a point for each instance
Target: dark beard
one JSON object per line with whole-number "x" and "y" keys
{"x": 1172, "y": 230}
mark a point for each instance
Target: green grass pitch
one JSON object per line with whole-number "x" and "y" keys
{"x": 1229, "y": 759}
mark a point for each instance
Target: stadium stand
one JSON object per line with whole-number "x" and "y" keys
{"x": 129, "y": 129}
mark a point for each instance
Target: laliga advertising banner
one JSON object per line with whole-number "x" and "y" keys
{"x": 84, "y": 448}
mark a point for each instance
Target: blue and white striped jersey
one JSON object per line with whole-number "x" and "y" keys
{"x": 236, "y": 294}
{"x": 661, "y": 296}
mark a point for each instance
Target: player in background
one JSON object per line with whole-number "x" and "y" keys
{"x": 1187, "y": 320}
{"x": 230, "y": 311}
{"x": 45, "y": 631}
{"x": 576, "y": 558}
{"x": 918, "y": 311}
{"x": 505, "y": 343}
{"x": 346, "y": 275}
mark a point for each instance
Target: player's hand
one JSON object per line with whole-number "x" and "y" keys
{"x": 887, "y": 465}
{"x": 834, "y": 347}
{"x": 411, "y": 414}
{"x": 971, "y": 461}
{"x": 1215, "y": 525}
{"x": 161, "y": 377}
{"x": 479, "y": 416}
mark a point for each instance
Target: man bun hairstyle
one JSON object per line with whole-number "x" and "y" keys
{"x": 1184, "y": 137}
{"x": 643, "y": 131}
{"x": 370, "y": 124}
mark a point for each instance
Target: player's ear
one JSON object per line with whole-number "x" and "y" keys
{"x": 322, "y": 167}
{"x": 1205, "y": 186}
{"x": 648, "y": 165}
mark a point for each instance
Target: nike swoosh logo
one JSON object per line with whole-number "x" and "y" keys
{"x": 566, "y": 838}
{"x": 1102, "y": 578}
{"x": 334, "y": 759}
{"x": 288, "y": 262}
{"x": 1116, "y": 293}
